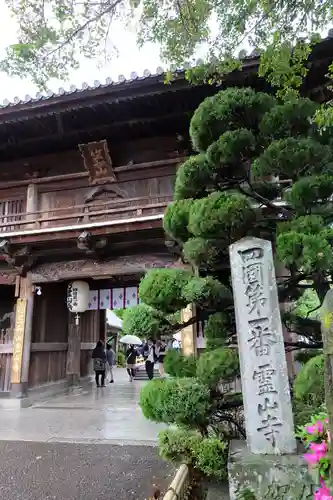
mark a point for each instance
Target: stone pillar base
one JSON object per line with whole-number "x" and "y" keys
{"x": 73, "y": 379}
{"x": 267, "y": 476}
{"x": 19, "y": 390}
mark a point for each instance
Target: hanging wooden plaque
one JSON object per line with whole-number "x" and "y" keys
{"x": 97, "y": 162}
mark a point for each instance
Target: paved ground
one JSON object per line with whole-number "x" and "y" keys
{"x": 90, "y": 444}
{"x": 111, "y": 415}
{"x": 34, "y": 471}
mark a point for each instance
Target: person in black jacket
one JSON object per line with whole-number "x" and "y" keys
{"x": 131, "y": 355}
{"x": 99, "y": 358}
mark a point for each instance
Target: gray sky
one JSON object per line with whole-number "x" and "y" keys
{"x": 130, "y": 59}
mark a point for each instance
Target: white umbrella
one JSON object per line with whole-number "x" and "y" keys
{"x": 130, "y": 339}
{"x": 177, "y": 336}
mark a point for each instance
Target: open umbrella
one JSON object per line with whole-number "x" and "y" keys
{"x": 130, "y": 339}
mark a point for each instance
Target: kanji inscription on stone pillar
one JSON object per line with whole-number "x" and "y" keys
{"x": 266, "y": 394}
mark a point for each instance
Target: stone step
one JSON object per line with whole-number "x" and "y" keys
{"x": 142, "y": 375}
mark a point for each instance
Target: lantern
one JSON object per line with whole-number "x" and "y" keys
{"x": 77, "y": 297}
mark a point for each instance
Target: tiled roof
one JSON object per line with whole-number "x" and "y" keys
{"x": 41, "y": 96}
{"x": 109, "y": 82}
{"x": 121, "y": 81}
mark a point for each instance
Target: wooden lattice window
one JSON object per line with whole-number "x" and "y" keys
{"x": 11, "y": 211}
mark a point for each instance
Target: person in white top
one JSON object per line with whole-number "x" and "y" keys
{"x": 150, "y": 361}
{"x": 175, "y": 344}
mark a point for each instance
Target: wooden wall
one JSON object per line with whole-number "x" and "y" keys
{"x": 50, "y": 334}
{"x": 122, "y": 153}
{"x": 7, "y": 306}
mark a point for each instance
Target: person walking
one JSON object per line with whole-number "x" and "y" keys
{"x": 150, "y": 361}
{"x": 131, "y": 355}
{"x": 99, "y": 358}
{"x": 176, "y": 345}
{"x": 161, "y": 349}
{"x": 111, "y": 358}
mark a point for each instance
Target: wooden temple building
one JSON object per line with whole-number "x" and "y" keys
{"x": 85, "y": 176}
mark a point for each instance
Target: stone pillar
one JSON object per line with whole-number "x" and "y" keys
{"x": 22, "y": 338}
{"x": 266, "y": 395}
{"x": 188, "y": 334}
{"x": 73, "y": 352}
{"x": 32, "y": 205}
{"x": 267, "y": 463}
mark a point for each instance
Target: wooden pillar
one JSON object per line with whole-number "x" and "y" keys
{"x": 102, "y": 326}
{"x": 22, "y": 338}
{"x": 189, "y": 335}
{"x": 73, "y": 352}
{"x": 32, "y": 204}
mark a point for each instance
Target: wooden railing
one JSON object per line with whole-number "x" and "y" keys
{"x": 85, "y": 213}
{"x": 179, "y": 488}
{"x": 10, "y": 213}
{"x": 6, "y": 336}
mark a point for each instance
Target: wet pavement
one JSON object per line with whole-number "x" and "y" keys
{"x": 88, "y": 415}
{"x": 89, "y": 444}
{"x": 34, "y": 471}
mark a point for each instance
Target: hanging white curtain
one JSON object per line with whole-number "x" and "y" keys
{"x": 105, "y": 299}
{"x": 118, "y": 298}
{"x": 93, "y": 300}
{"x": 131, "y": 296}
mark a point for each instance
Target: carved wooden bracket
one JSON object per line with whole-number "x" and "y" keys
{"x": 22, "y": 260}
{"x": 92, "y": 246}
{"x": 108, "y": 188}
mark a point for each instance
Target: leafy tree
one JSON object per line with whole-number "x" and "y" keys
{"x": 53, "y": 34}
{"x": 264, "y": 170}
{"x": 244, "y": 140}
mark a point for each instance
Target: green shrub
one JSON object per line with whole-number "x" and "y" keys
{"x": 309, "y": 392}
{"x": 152, "y": 397}
{"x": 120, "y": 359}
{"x": 303, "y": 411}
{"x": 142, "y": 320}
{"x": 216, "y": 330}
{"x": 184, "y": 401}
{"x": 208, "y": 455}
{"x": 162, "y": 289}
{"x": 211, "y": 457}
{"x": 217, "y": 365}
{"x": 309, "y": 383}
{"x": 176, "y": 445}
{"x": 178, "y": 365}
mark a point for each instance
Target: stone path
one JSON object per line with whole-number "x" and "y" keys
{"x": 87, "y": 445}
{"x": 110, "y": 415}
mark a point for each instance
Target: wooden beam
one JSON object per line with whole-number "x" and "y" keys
{"x": 101, "y": 128}
{"x": 87, "y": 346}
{"x": 74, "y": 233}
{"x": 6, "y": 349}
{"x": 84, "y": 175}
{"x": 131, "y": 264}
{"x": 48, "y": 346}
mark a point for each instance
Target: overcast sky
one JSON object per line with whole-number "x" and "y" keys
{"x": 129, "y": 59}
